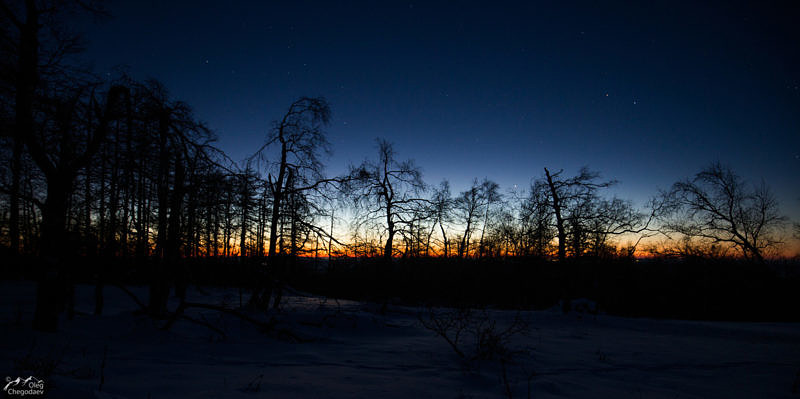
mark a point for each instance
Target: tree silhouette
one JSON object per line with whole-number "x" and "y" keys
{"x": 67, "y": 145}
{"x": 35, "y": 46}
{"x": 471, "y": 206}
{"x": 570, "y": 199}
{"x": 490, "y": 192}
{"x": 387, "y": 189}
{"x": 441, "y": 208}
{"x": 301, "y": 141}
{"x": 246, "y": 183}
{"x": 535, "y": 219}
{"x": 717, "y": 205}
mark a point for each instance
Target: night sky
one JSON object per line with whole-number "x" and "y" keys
{"x": 645, "y": 93}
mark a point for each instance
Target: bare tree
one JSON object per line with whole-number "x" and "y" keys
{"x": 609, "y": 218}
{"x": 441, "y": 208}
{"x": 584, "y": 221}
{"x": 568, "y": 198}
{"x": 50, "y": 99}
{"x": 471, "y": 206}
{"x": 535, "y": 216}
{"x": 717, "y": 205}
{"x": 71, "y": 138}
{"x": 246, "y": 183}
{"x": 301, "y": 141}
{"x": 35, "y": 44}
{"x": 490, "y": 193}
{"x": 387, "y": 190}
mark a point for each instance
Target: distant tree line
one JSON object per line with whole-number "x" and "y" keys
{"x": 117, "y": 169}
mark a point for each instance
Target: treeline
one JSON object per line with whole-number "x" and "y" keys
{"x": 120, "y": 168}
{"x": 129, "y": 173}
{"x": 116, "y": 169}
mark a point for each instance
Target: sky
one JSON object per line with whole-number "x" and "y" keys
{"x": 647, "y": 93}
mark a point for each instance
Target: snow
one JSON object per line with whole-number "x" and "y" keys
{"x": 350, "y": 350}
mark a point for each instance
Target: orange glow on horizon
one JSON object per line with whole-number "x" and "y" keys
{"x": 644, "y": 250}
{"x": 787, "y": 252}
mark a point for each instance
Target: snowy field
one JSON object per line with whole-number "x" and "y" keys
{"x": 339, "y": 349}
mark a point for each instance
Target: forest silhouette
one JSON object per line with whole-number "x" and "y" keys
{"x": 112, "y": 181}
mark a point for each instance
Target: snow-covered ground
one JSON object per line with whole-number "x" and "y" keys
{"x": 350, "y": 350}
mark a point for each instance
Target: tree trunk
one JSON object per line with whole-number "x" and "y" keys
{"x": 244, "y": 211}
{"x": 387, "y": 249}
{"x": 159, "y": 286}
{"x": 53, "y": 285}
{"x": 463, "y": 249}
{"x": 444, "y": 240}
{"x": 174, "y": 238}
{"x": 562, "y": 235}
{"x": 26, "y": 81}
{"x": 483, "y": 231}
{"x": 277, "y": 198}
{"x": 13, "y": 219}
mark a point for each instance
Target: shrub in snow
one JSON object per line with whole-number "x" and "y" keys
{"x": 472, "y": 333}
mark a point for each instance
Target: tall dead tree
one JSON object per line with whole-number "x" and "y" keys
{"x": 181, "y": 140}
{"x": 301, "y": 141}
{"x": 387, "y": 189}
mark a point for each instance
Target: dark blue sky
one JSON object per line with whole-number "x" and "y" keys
{"x": 644, "y": 94}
